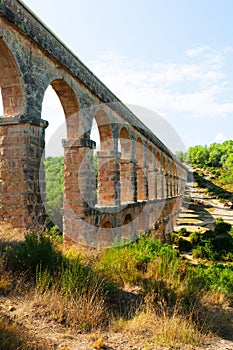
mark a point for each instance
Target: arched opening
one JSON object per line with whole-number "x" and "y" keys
{"x": 159, "y": 174}
{"x": 108, "y": 163}
{"x": 127, "y": 228}
{"x": 10, "y": 83}
{"x": 70, "y": 106}
{"x": 164, "y": 177}
{"x": 142, "y": 223}
{"x": 127, "y": 167}
{"x": 151, "y": 173}
{"x": 65, "y": 189}
{"x": 139, "y": 152}
{"x": 125, "y": 143}
{"x": 18, "y": 205}
{"x": 142, "y": 186}
{"x": 105, "y": 234}
{"x": 53, "y": 112}
{"x": 152, "y": 218}
{"x": 105, "y": 131}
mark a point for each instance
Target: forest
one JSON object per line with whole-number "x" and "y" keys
{"x": 217, "y": 158}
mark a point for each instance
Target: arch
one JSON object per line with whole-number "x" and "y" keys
{"x": 128, "y": 218}
{"x": 70, "y": 106}
{"x": 139, "y": 152}
{"x": 149, "y": 157}
{"x": 125, "y": 143}
{"x": 10, "y": 83}
{"x": 152, "y": 218}
{"x": 127, "y": 228}
{"x": 142, "y": 223}
{"x": 105, "y": 130}
{"x": 105, "y": 234}
{"x": 158, "y": 160}
{"x": 142, "y": 175}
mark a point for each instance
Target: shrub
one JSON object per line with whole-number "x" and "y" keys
{"x": 195, "y": 238}
{"x": 223, "y": 244}
{"x": 174, "y": 238}
{"x": 221, "y": 227}
{"x": 183, "y": 232}
{"x": 35, "y": 251}
{"x": 184, "y": 245}
{"x": 208, "y": 235}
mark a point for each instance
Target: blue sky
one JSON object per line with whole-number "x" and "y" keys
{"x": 174, "y": 57}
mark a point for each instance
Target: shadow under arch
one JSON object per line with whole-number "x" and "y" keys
{"x": 10, "y": 83}
{"x": 105, "y": 234}
{"x": 127, "y": 228}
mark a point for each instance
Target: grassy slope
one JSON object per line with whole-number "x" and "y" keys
{"x": 144, "y": 289}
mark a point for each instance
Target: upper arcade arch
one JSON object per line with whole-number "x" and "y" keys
{"x": 126, "y": 143}
{"x": 105, "y": 130}
{"x": 70, "y": 106}
{"x": 10, "y": 83}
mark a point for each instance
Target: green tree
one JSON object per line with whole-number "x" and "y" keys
{"x": 54, "y": 174}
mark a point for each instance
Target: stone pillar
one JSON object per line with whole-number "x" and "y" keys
{"x": 108, "y": 193}
{"x": 128, "y": 180}
{"x": 79, "y": 185}
{"x": 166, "y": 185}
{"x": 22, "y": 183}
{"x": 142, "y": 183}
{"x": 171, "y": 185}
{"x": 152, "y": 188}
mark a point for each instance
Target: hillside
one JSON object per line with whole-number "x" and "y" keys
{"x": 145, "y": 295}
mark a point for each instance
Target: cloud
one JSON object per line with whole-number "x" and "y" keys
{"x": 197, "y": 51}
{"x": 196, "y": 87}
{"x": 220, "y": 137}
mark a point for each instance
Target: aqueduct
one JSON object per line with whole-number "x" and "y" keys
{"x": 140, "y": 182}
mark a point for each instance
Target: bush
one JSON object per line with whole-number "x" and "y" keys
{"x": 184, "y": 245}
{"x": 223, "y": 244}
{"x": 221, "y": 227}
{"x": 36, "y": 251}
{"x": 204, "y": 251}
{"x": 195, "y": 238}
{"x": 183, "y": 232}
{"x": 208, "y": 235}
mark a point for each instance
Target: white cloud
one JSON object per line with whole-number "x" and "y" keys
{"x": 197, "y": 51}
{"x": 220, "y": 138}
{"x": 196, "y": 88}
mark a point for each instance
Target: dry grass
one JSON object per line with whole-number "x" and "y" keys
{"x": 85, "y": 313}
{"x": 162, "y": 327}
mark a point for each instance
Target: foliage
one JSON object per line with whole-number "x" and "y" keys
{"x": 54, "y": 170}
{"x": 216, "y": 156}
{"x": 54, "y": 175}
{"x": 36, "y": 251}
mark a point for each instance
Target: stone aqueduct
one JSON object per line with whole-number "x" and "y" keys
{"x": 140, "y": 183}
